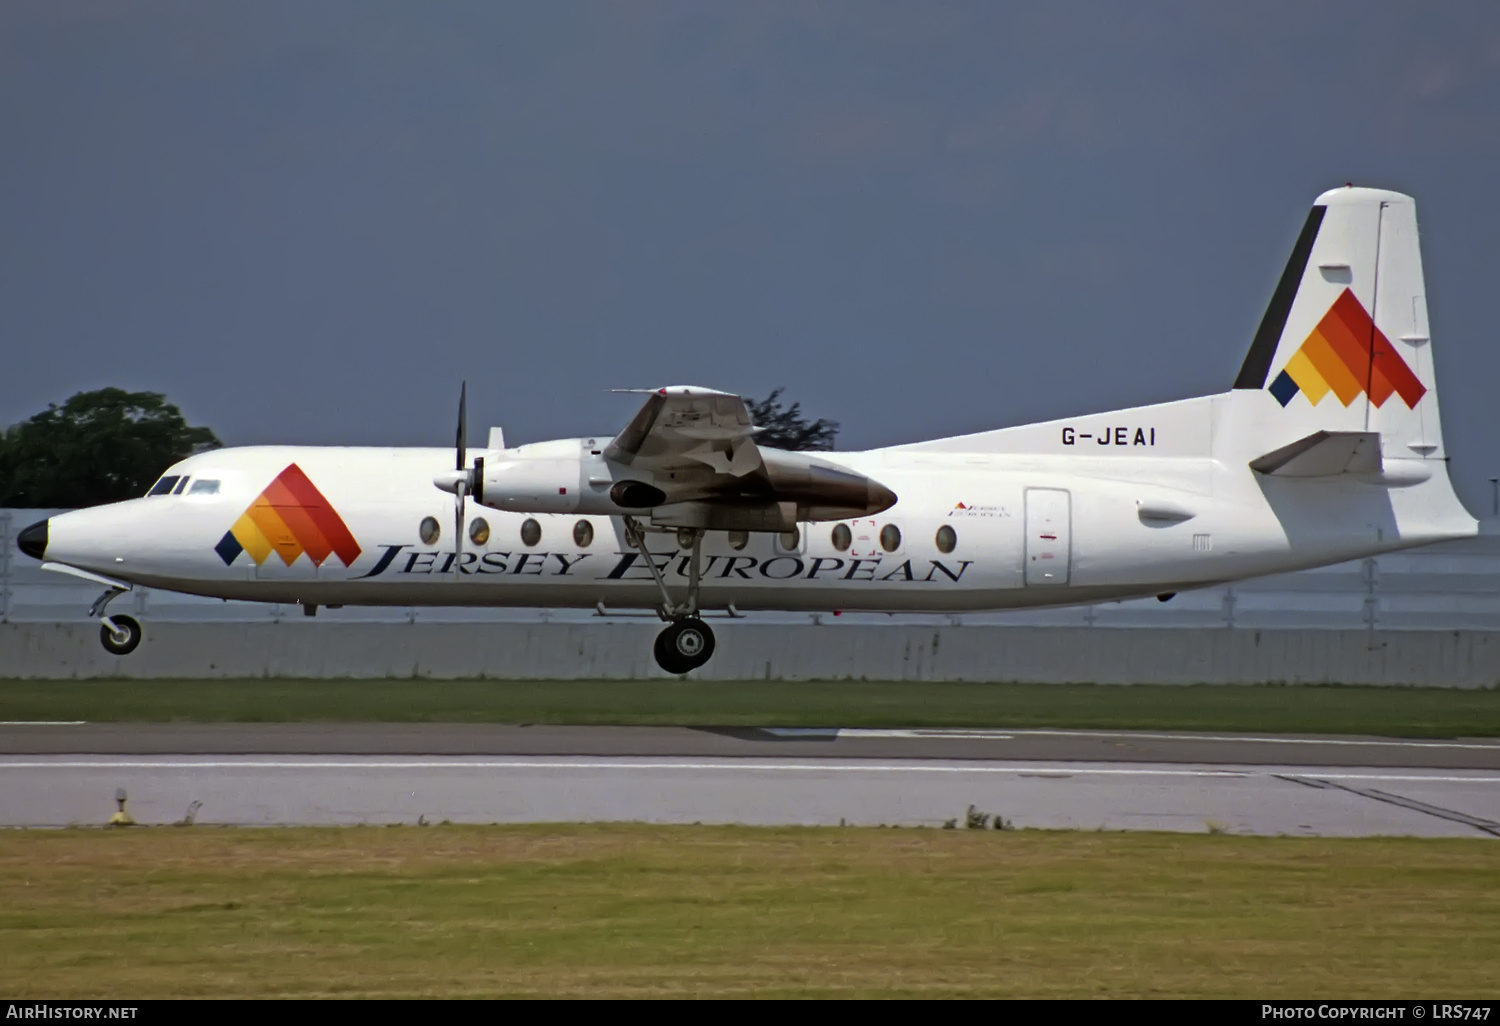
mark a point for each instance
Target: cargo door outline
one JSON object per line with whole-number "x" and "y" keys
{"x": 1049, "y": 537}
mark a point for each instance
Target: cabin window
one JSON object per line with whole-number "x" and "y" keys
{"x": 204, "y": 486}
{"x": 479, "y": 530}
{"x": 947, "y": 539}
{"x": 738, "y": 539}
{"x": 790, "y": 539}
{"x": 890, "y": 537}
{"x": 531, "y": 532}
{"x": 429, "y": 531}
{"x": 180, "y": 486}
{"x": 583, "y": 534}
{"x": 842, "y": 537}
{"x": 164, "y": 486}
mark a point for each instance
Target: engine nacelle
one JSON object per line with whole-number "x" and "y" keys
{"x": 574, "y": 476}
{"x": 821, "y": 490}
{"x": 531, "y": 485}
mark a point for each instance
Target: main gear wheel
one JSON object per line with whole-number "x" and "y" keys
{"x": 684, "y": 645}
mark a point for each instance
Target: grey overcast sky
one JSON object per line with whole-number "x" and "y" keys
{"x": 306, "y": 221}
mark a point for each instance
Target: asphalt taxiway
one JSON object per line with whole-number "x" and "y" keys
{"x": 58, "y": 774}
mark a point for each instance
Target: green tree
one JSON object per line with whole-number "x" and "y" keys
{"x": 786, "y": 428}
{"x": 101, "y": 446}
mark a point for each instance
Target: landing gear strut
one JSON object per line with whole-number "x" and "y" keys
{"x": 119, "y": 634}
{"x": 687, "y": 642}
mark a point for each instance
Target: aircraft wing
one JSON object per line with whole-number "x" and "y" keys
{"x": 697, "y": 445}
{"x": 690, "y": 428}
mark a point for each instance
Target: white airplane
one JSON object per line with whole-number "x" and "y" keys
{"x": 1326, "y": 449}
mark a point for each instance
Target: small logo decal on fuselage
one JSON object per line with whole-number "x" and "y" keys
{"x": 966, "y": 509}
{"x": 290, "y": 517}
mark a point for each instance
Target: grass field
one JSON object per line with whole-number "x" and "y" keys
{"x": 1403, "y": 712}
{"x": 643, "y": 910}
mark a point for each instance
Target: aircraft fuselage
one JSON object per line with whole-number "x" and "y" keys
{"x": 1016, "y": 531}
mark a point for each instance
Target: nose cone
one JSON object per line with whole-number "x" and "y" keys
{"x": 33, "y": 540}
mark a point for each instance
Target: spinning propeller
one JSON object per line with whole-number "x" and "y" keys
{"x": 461, "y": 481}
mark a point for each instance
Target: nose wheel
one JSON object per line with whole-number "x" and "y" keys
{"x": 684, "y": 645}
{"x": 123, "y": 638}
{"x": 119, "y": 634}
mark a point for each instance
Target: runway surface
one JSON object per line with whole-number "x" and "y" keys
{"x": 787, "y": 742}
{"x": 61, "y": 774}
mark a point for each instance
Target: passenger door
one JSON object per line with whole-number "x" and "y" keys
{"x": 1049, "y": 541}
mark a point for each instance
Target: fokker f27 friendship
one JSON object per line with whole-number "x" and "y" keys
{"x": 1327, "y": 448}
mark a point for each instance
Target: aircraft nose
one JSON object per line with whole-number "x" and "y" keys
{"x": 33, "y": 540}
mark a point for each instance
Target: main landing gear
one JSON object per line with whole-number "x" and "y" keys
{"x": 687, "y": 642}
{"x": 119, "y": 634}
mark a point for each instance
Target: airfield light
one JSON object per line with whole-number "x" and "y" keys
{"x": 121, "y": 817}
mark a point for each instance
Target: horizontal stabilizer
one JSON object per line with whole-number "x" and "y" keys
{"x": 1323, "y": 454}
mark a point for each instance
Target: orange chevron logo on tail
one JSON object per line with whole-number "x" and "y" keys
{"x": 289, "y": 518}
{"x": 1346, "y": 354}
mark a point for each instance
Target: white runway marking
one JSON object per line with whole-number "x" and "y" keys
{"x": 995, "y": 735}
{"x": 43, "y": 723}
{"x": 938, "y": 735}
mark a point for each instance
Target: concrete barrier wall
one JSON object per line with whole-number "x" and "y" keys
{"x": 614, "y": 650}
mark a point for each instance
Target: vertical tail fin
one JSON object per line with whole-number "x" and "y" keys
{"x": 1344, "y": 345}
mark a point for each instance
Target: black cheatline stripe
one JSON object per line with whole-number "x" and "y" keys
{"x": 1263, "y": 349}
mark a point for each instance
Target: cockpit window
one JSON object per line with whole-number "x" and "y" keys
{"x": 204, "y": 486}
{"x": 180, "y": 486}
{"x": 164, "y": 486}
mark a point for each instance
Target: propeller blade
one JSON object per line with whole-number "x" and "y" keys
{"x": 461, "y": 486}
{"x": 458, "y": 526}
{"x": 461, "y": 442}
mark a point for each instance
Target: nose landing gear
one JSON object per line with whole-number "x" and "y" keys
{"x": 119, "y": 634}
{"x": 124, "y": 638}
{"x": 686, "y": 643}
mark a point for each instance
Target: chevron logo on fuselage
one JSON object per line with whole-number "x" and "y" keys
{"x": 289, "y": 518}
